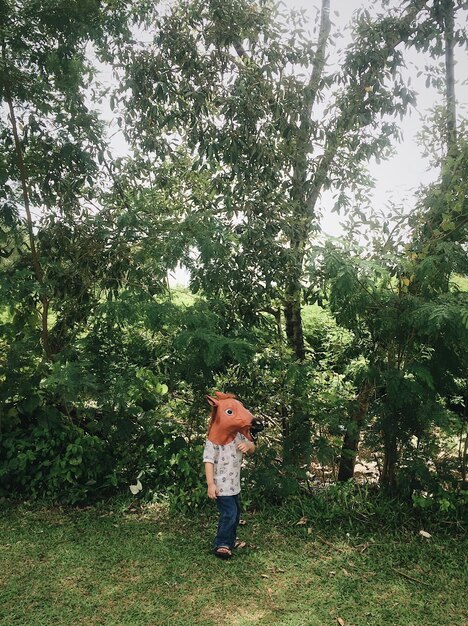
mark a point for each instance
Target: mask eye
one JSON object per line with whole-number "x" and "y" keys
{"x": 229, "y": 412}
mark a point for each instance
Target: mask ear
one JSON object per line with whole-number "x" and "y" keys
{"x": 212, "y": 401}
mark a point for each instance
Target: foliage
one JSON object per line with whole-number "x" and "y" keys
{"x": 236, "y": 126}
{"x": 410, "y": 327}
{"x": 55, "y": 462}
{"x": 238, "y": 86}
{"x": 173, "y": 471}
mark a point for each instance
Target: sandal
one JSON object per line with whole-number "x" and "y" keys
{"x": 223, "y": 552}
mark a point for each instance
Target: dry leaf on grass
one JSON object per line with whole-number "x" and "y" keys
{"x": 270, "y": 596}
{"x": 340, "y": 621}
{"x": 423, "y": 533}
{"x": 302, "y": 521}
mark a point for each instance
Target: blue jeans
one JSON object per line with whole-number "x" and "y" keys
{"x": 229, "y": 515}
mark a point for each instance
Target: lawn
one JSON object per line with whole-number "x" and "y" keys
{"x": 112, "y": 566}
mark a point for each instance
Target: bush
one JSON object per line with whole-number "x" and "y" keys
{"x": 55, "y": 461}
{"x": 172, "y": 468}
{"x": 267, "y": 481}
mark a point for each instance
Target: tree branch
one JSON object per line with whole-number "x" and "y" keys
{"x": 343, "y": 121}
{"x": 319, "y": 62}
{"x": 37, "y": 267}
{"x": 451, "y": 115}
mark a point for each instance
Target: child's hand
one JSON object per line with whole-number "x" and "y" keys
{"x": 246, "y": 446}
{"x": 212, "y": 494}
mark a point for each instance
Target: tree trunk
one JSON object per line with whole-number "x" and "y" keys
{"x": 301, "y": 198}
{"x": 36, "y": 264}
{"x": 296, "y": 445}
{"x": 389, "y": 467}
{"x": 293, "y": 321}
{"x": 451, "y": 111}
{"x": 352, "y": 436}
{"x": 463, "y": 457}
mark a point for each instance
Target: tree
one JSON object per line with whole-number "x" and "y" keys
{"x": 251, "y": 100}
{"x": 413, "y": 347}
{"x": 63, "y": 250}
{"x": 435, "y": 33}
{"x": 52, "y": 147}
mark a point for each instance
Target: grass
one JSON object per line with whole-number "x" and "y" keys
{"x": 101, "y": 566}
{"x": 182, "y": 296}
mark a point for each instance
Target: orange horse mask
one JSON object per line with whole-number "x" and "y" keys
{"x": 228, "y": 417}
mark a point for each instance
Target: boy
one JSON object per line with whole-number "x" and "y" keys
{"x": 228, "y": 440}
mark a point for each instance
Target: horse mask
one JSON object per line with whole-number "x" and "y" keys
{"x": 228, "y": 417}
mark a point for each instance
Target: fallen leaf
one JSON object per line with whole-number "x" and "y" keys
{"x": 265, "y": 576}
{"x": 345, "y": 572}
{"x": 302, "y": 521}
{"x": 309, "y": 531}
{"x": 423, "y": 533}
{"x": 340, "y": 621}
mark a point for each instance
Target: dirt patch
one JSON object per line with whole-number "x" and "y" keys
{"x": 238, "y": 616}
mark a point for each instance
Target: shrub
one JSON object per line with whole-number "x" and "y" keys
{"x": 54, "y": 460}
{"x": 172, "y": 468}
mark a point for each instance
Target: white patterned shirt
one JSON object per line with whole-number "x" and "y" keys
{"x": 227, "y": 461}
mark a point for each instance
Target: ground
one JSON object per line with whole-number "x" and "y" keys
{"x": 109, "y": 566}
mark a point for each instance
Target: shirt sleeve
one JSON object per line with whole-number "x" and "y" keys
{"x": 209, "y": 453}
